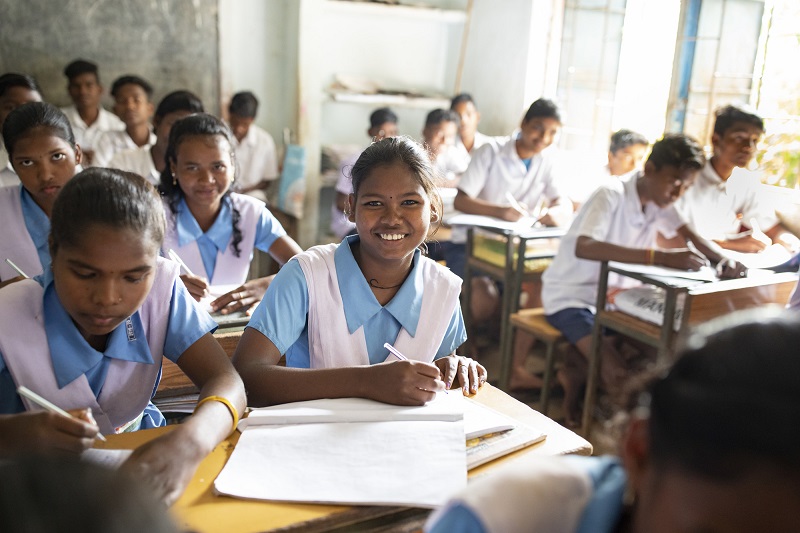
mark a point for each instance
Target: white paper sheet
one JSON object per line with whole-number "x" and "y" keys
{"x": 112, "y": 459}
{"x": 772, "y": 256}
{"x": 480, "y": 420}
{"x": 416, "y": 464}
{"x": 704, "y": 274}
{"x": 523, "y": 225}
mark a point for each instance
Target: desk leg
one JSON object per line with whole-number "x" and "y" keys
{"x": 466, "y": 298}
{"x": 510, "y": 292}
{"x": 594, "y": 354}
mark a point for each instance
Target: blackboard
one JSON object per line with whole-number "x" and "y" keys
{"x": 173, "y": 44}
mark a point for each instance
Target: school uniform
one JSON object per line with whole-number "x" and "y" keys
{"x": 340, "y": 225}
{"x": 463, "y": 155}
{"x": 321, "y": 313}
{"x": 116, "y": 383}
{"x": 109, "y": 143}
{"x": 26, "y": 228}
{"x": 613, "y": 214}
{"x": 256, "y": 156}
{"x": 717, "y": 208}
{"x": 139, "y": 161}
{"x": 86, "y": 135}
{"x": 8, "y": 178}
{"x": 566, "y": 494}
{"x": 211, "y": 254}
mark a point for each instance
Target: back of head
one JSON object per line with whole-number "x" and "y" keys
{"x": 35, "y": 115}
{"x": 543, "y": 108}
{"x": 40, "y": 495}
{"x": 11, "y": 79}
{"x": 399, "y": 150}
{"x": 244, "y": 104}
{"x": 111, "y": 197}
{"x": 677, "y": 150}
{"x": 197, "y": 124}
{"x": 461, "y": 99}
{"x": 179, "y": 101}
{"x": 727, "y": 116}
{"x": 623, "y": 138}
{"x": 437, "y": 116}
{"x": 381, "y": 116}
{"x": 80, "y": 66}
{"x": 732, "y": 401}
{"x": 130, "y": 79}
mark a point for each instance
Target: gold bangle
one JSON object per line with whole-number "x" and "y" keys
{"x": 651, "y": 256}
{"x": 227, "y": 403}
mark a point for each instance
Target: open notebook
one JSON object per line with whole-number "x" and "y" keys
{"x": 357, "y": 451}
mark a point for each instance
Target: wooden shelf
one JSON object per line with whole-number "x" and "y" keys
{"x": 427, "y": 103}
{"x": 410, "y": 11}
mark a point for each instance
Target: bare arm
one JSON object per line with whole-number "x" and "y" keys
{"x": 588, "y": 248}
{"x": 475, "y": 206}
{"x": 710, "y": 249}
{"x": 401, "y": 382}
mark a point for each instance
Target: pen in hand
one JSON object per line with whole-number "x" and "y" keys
{"x": 395, "y": 352}
{"x": 41, "y": 402}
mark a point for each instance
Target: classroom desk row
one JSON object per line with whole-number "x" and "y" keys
{"x": 199, "y": 509}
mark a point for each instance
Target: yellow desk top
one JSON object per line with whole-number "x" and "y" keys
{"x": 199, "y": 509}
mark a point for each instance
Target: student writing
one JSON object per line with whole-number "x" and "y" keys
{"x": 332, "y": 308}
{"x": 112, "y": 307}
{"x": 212, "y": 229}
{"x": 620, "y": 222}
{"x": 45, "y": 156}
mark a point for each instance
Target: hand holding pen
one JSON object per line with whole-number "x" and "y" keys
{"x": 197, "y": 286}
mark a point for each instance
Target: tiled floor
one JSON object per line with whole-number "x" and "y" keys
{"x": 604, "y": 435}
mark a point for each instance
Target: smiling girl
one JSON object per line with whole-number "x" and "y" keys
{"x": 91, "y": 332}
{"x": 212, "y": 229}
{"x": 331, "y": 309}
{"x": 43, "y": 153}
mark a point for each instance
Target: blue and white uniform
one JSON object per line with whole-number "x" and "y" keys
{"x": 41, "y": 348}
{"x": 580, "y": 494}
{"x": 26, "y": 228}
{"x": 320, "y": 311}
{"x": 211, "y": 253}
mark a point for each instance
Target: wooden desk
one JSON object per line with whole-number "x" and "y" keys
{"x": 702, "y": 302}
{"x": 202, "y": 511}
{"x": 511, "y": 272}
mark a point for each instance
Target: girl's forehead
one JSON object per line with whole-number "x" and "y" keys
{"x": 203, "y": 141}
{"x": 392, "y": 176}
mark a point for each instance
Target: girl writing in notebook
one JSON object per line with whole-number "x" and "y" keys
{"x": 43, "y": 153}
{"x": 212, "y": 229}
{"x": 331, "y": 309}
{"x": 112, "y": 307}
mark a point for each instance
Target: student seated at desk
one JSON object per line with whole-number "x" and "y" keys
{"x": 469, "y": 138}
{"x": 619, "y": 222}
{"x": 45, "y": 156}
{"x": 111, "y": 308}
{"x": 712, "y": 446}
{"x": 87, "y": 116}
{"x": 149, "y": 160}
{"x": 212, "y": 229}
{"x": 382, "y": 124}
{"x": 727, "y": 203}
{"x": 15, "y": 90}
{"x": 332, "y": 308}
{"x": 133, "y": 105}
{"x": 439, "y": 137}
{"x": 255, "y": 148}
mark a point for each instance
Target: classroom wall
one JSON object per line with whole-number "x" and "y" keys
{"x": 164, "y": 42}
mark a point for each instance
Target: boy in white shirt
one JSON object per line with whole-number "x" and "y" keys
{"x": 469, "y": 138}
{"x": 255, "y": 149}
{"x": 726, "y": 199}
{"x": 620, "y": 222}
{"x": 87, "y": 116}
{"x": 133, "y": 104}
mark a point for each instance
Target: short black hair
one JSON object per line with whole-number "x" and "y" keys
{"x": 81, "y": 66}
{"x": 731, "y": 403}
{"x": 625, "y": 138}
{"x": 12, "y": 79}
{"x": 460, "y": 99}
{"x": 130, "y": 79}
{"x": 543, "y": 108}
{"x": 381, "y": 116}
{"x": 677, "y": 150}
{"x": 179, "y": 101}
{"x": 437, "y": 116}
{"x": 728, "y": 115}
{"x": 244, "y": 104}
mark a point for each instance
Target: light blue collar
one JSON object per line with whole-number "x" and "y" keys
{"x": 219, "y": 234}
{"x": 37, "y": 224}
{"x": 71, "y": 354}
{"x": 360, "y": 305}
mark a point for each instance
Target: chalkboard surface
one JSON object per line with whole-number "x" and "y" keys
{"x": 174, "y": 44}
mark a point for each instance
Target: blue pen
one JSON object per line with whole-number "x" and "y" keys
{"x": 395, "y": 352}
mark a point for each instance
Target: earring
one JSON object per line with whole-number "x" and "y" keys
{"x": 174, "y": 181}
{"x": 120, "y": 299}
